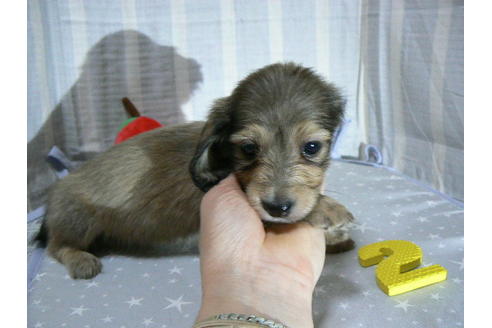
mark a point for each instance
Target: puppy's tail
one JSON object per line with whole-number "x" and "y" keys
{"x": 41, "y": 238}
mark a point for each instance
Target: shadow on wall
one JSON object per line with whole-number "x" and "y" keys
{"x": 86, "y": 120}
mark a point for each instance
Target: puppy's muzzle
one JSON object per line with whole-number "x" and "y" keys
{"x": 278, "y": 208}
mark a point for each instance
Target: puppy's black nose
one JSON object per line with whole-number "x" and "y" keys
{"x": 277, "y": 209}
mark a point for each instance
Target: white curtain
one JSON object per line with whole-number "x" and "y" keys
{"x": 410, "y": 103}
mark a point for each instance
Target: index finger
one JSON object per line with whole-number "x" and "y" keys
{"x": 226, "y": 206}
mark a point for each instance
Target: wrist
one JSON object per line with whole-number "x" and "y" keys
{"x": 263, "y": 294}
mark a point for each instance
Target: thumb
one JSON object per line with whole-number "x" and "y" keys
{"x": 226, "y": 208}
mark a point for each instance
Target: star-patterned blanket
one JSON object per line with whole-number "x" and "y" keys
{"x": 165, "y": 292}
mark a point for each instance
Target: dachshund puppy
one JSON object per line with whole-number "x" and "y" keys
{"x": 273, "y": 132}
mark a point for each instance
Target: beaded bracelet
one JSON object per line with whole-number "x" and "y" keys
{"x": 241, "y": 318}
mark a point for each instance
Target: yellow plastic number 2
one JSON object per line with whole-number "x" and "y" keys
{"x": 393, "y": 274}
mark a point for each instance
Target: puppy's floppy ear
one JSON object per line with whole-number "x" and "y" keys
{"x": 212, "y": 161}
{"x": 335, "y": 103}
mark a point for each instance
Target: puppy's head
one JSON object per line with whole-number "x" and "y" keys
{"x": 274, "y": 132}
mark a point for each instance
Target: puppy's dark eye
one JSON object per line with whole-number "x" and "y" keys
{"x": 249, "y": 149}
{"x": 311, "y": 148}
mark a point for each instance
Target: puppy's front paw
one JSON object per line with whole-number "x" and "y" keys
{"x": 338, "y": 215}
{"x": 335, "y": 220}
{"x": 340, "y": 246}
{"x": 83, "y": 265}
{"x": 330, "y": 214}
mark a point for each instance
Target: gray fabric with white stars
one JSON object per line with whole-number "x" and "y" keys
{"x": 165, "y": 292}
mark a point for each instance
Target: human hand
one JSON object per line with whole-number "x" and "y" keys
{"x": 247, "y": 269}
